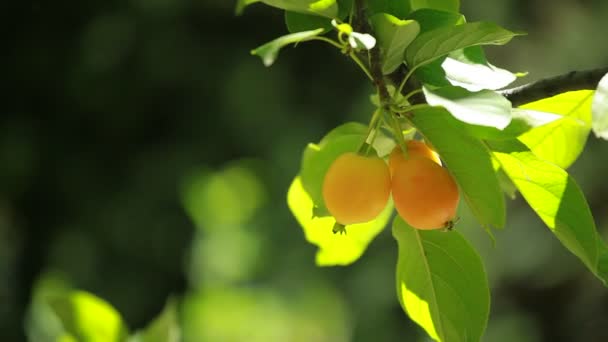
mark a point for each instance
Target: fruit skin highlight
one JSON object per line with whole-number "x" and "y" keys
{"x": 424, "y": 193}
{"x": 415, "y": 148}
{"x": 356, "y": 188}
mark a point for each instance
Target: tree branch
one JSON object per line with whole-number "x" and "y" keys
{"x": 360, "y": 24}
{"x": 574, "y": 80}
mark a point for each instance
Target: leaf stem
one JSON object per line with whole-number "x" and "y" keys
{"x": 361, "y": 65}
{"x": 327, "y": 40}
{"x": 404, "y": 81}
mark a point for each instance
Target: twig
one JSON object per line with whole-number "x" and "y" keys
{"x": 574, "y": 80}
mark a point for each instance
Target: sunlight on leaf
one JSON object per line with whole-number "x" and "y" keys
{"x": 334, "y": 249}
{"x": 89, "y": 318}
{"x": 476, "y": 76}
{"x": 485, "y": 107}
{"x": 555, "y": 197}
{"x": 562, "y": 141}
{"x": 600, "y": 109}
{"x": 270, "y": 51}
{"x": 441, "y": 283}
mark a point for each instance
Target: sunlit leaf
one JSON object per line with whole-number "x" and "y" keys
{"x": 556, "y": 198}
{"x": 164, "y": 328}
{"x": 600, "y": 109}
{"x": 522, "y": 121}
{"x": 326, "y": 8}
{"x": 88, "y": 318}
{"x": 484, "y": 107}
{"x": 468, "y": 160}
{"x": 334, "y": 249}
{"x": 270, "y": 51}
{"x": 473, "y": 74}
{"x": 441, "y": 283}
{"x": 439, "y": 42}
{"x": 394, "y": 36}
{"x": 561, "y": 141}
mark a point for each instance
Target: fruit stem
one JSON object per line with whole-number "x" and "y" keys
{"x": 398, "y": 132}
{"x": 374, "y": 124}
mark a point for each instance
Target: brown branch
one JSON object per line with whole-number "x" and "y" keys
{"x": 361, "y": 24}
{"x": 574, "y": 80}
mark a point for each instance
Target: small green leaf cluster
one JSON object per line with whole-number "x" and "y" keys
{"x": 427, "y": 49}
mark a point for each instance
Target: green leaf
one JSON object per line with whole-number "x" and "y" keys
{"x": 397, "y": 8}
{"x": 563, "y": 140}
{"x": 394, "y": 36}
{"x": 164, "y": 328}
{"x": 325, "y": 8}
{"x": 441, "y": 283}
{"x": 556, "y": 198}
{"x": 439, "y": 42}
{"x": 241, "y": 4}
{"x": 88, "y": 318}
{"x": 270, "y": 51}
{"x": 522, "y": 121}
{"x": 468, "y": 160}
{"x": 317, "y": 159}
{"x": 599, "y": 109}
{"x": 442, "y": 5}
{"x": 334, "y": 249}
{"x": 430, "y": 19}
{"x": 298, "y": 22}
{"x": 485, "y": 107}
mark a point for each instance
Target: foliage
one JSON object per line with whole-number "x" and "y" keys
{"x": 489, "y": 147}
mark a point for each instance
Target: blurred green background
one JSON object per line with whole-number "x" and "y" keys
{"x": 144, "y": 153}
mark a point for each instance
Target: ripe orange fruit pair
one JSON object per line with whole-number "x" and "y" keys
{"x": 357, "y": 188}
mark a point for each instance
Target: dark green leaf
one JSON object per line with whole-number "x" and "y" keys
{"x": 397, "y": 8}
{"x": 556, "y": 198}
{"x": 164, "y": 328}
{"x": 485, "y": 107}
{"x": 430, "y": 19}
{"x": 468, "y": 160}
{"x": 441, "y": 283}
{"x": 600, "y": 109}
{"x": 442, "y": 5}
{"x": 393, "y": 36}
{"x": 441, "y": 41}
{"x": 88, "y": 318}
{"x": 334, "y": 249}
{"x": 241, "y": 4}
{"x": 563, "y": 140}
{"x": 270, "y": 51}
{"x": 298, "y": 22}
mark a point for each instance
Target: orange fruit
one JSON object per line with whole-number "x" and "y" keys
{"x": 425, "y": 194}
{"x": 415, "y": 148}
{"x": 356, "y": 188}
